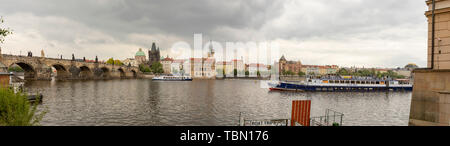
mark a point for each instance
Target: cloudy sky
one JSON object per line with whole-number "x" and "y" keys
{"x": 370, "y": 33}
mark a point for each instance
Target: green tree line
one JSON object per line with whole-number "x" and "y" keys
{"x": 155, "y": 68}
{"x": 370, "y": 73}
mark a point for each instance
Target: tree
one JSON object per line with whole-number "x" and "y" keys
{"x": 300, "y": 73}
{"x": 288, "y": 73}
{"x": 157, "y": 68}
{"x": 343, "y": 71}
{"x": 364, "y": 73}
{"x": 235, "y": 72}
{"x": 118, "y": 62}
{"x": 4, "y": 31}
{"x": 144, "y": 68}
{"x": 115, "y": 62}
{"x": 258, "y": 73}
{"x": 110, "y": 61}
{"x": 16, "y": 110}
{"x": 390, "y": 74}
{"x": 15, "y": 69}
{"x": 247, "y": 73}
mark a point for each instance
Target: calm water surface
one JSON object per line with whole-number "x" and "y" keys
{"x": 203, "y": 103}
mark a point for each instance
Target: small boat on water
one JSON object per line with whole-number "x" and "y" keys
{"x": 344, "y": 84}
{"x": 172, "y": 78}
{"x": 17, "y": 85}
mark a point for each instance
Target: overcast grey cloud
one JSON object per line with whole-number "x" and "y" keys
{"x": 368, "y": 33}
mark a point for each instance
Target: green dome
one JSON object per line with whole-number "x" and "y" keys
{"x": 140, "y": 53}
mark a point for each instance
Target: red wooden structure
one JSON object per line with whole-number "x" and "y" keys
{"x": 301, "y": 111}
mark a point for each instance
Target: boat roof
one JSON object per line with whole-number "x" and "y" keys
{"x": 356, "y": 79}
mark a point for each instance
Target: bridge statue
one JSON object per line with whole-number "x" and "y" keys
{"x": 42, "y": 53}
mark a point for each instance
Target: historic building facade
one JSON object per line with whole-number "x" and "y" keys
{"x": 167, "y": 65}
{"x": 430, "y": 101}
{"x": 130, "y": 61}
{"x": 297, "y": 66}
{"x": 293, "y": 66}
{"x": 153, "y": 55}
{"x": 442, "y": 34}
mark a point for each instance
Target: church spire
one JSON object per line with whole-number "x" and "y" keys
{"x": 153, "y": 47}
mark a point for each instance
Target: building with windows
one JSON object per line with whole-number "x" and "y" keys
{"x": 254, "y": 68}
{"x": 204, "y": 68}
{"x": 239, "y": 66}
{"x": 177, "y": 67}
{"x": 128, "y": 61}
{"x": 167, "y": 65}
{"x": 292, "y": 66}
{"x": 224, "y": 68}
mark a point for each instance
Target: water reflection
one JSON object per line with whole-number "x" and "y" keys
{"x": 203, "y": 102}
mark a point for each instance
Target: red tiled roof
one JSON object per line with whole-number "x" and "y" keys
{"x": 167, "y": 59}
{"x": 257, "y": 65}
{"x": 224, "y": 62}
{"x": 178, "y": 61}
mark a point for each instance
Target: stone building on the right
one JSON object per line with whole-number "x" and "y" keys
{"x": 430, "y": 103}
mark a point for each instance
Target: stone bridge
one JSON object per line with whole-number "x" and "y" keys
{"x": 40, "y": 68}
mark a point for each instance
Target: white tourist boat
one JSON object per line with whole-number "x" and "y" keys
{"x": 172, "y": 78}
{"x": 344, "y": 84}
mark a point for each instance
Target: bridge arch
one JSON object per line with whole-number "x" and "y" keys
{"x": 105, "y": 72}
{"x": 61, "y": 71}
{"x": 29, "y": 71}
{"x": 134, "y": 73}
{"x": 85, "y": 72}
{"x": 122, "y": 73}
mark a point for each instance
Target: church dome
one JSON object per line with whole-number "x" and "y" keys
{"x": 140, "y": 53}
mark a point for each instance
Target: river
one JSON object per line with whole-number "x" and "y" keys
{"x": 203, "y": 103}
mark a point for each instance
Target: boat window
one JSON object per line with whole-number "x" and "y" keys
{"x": 378, "y": 82}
